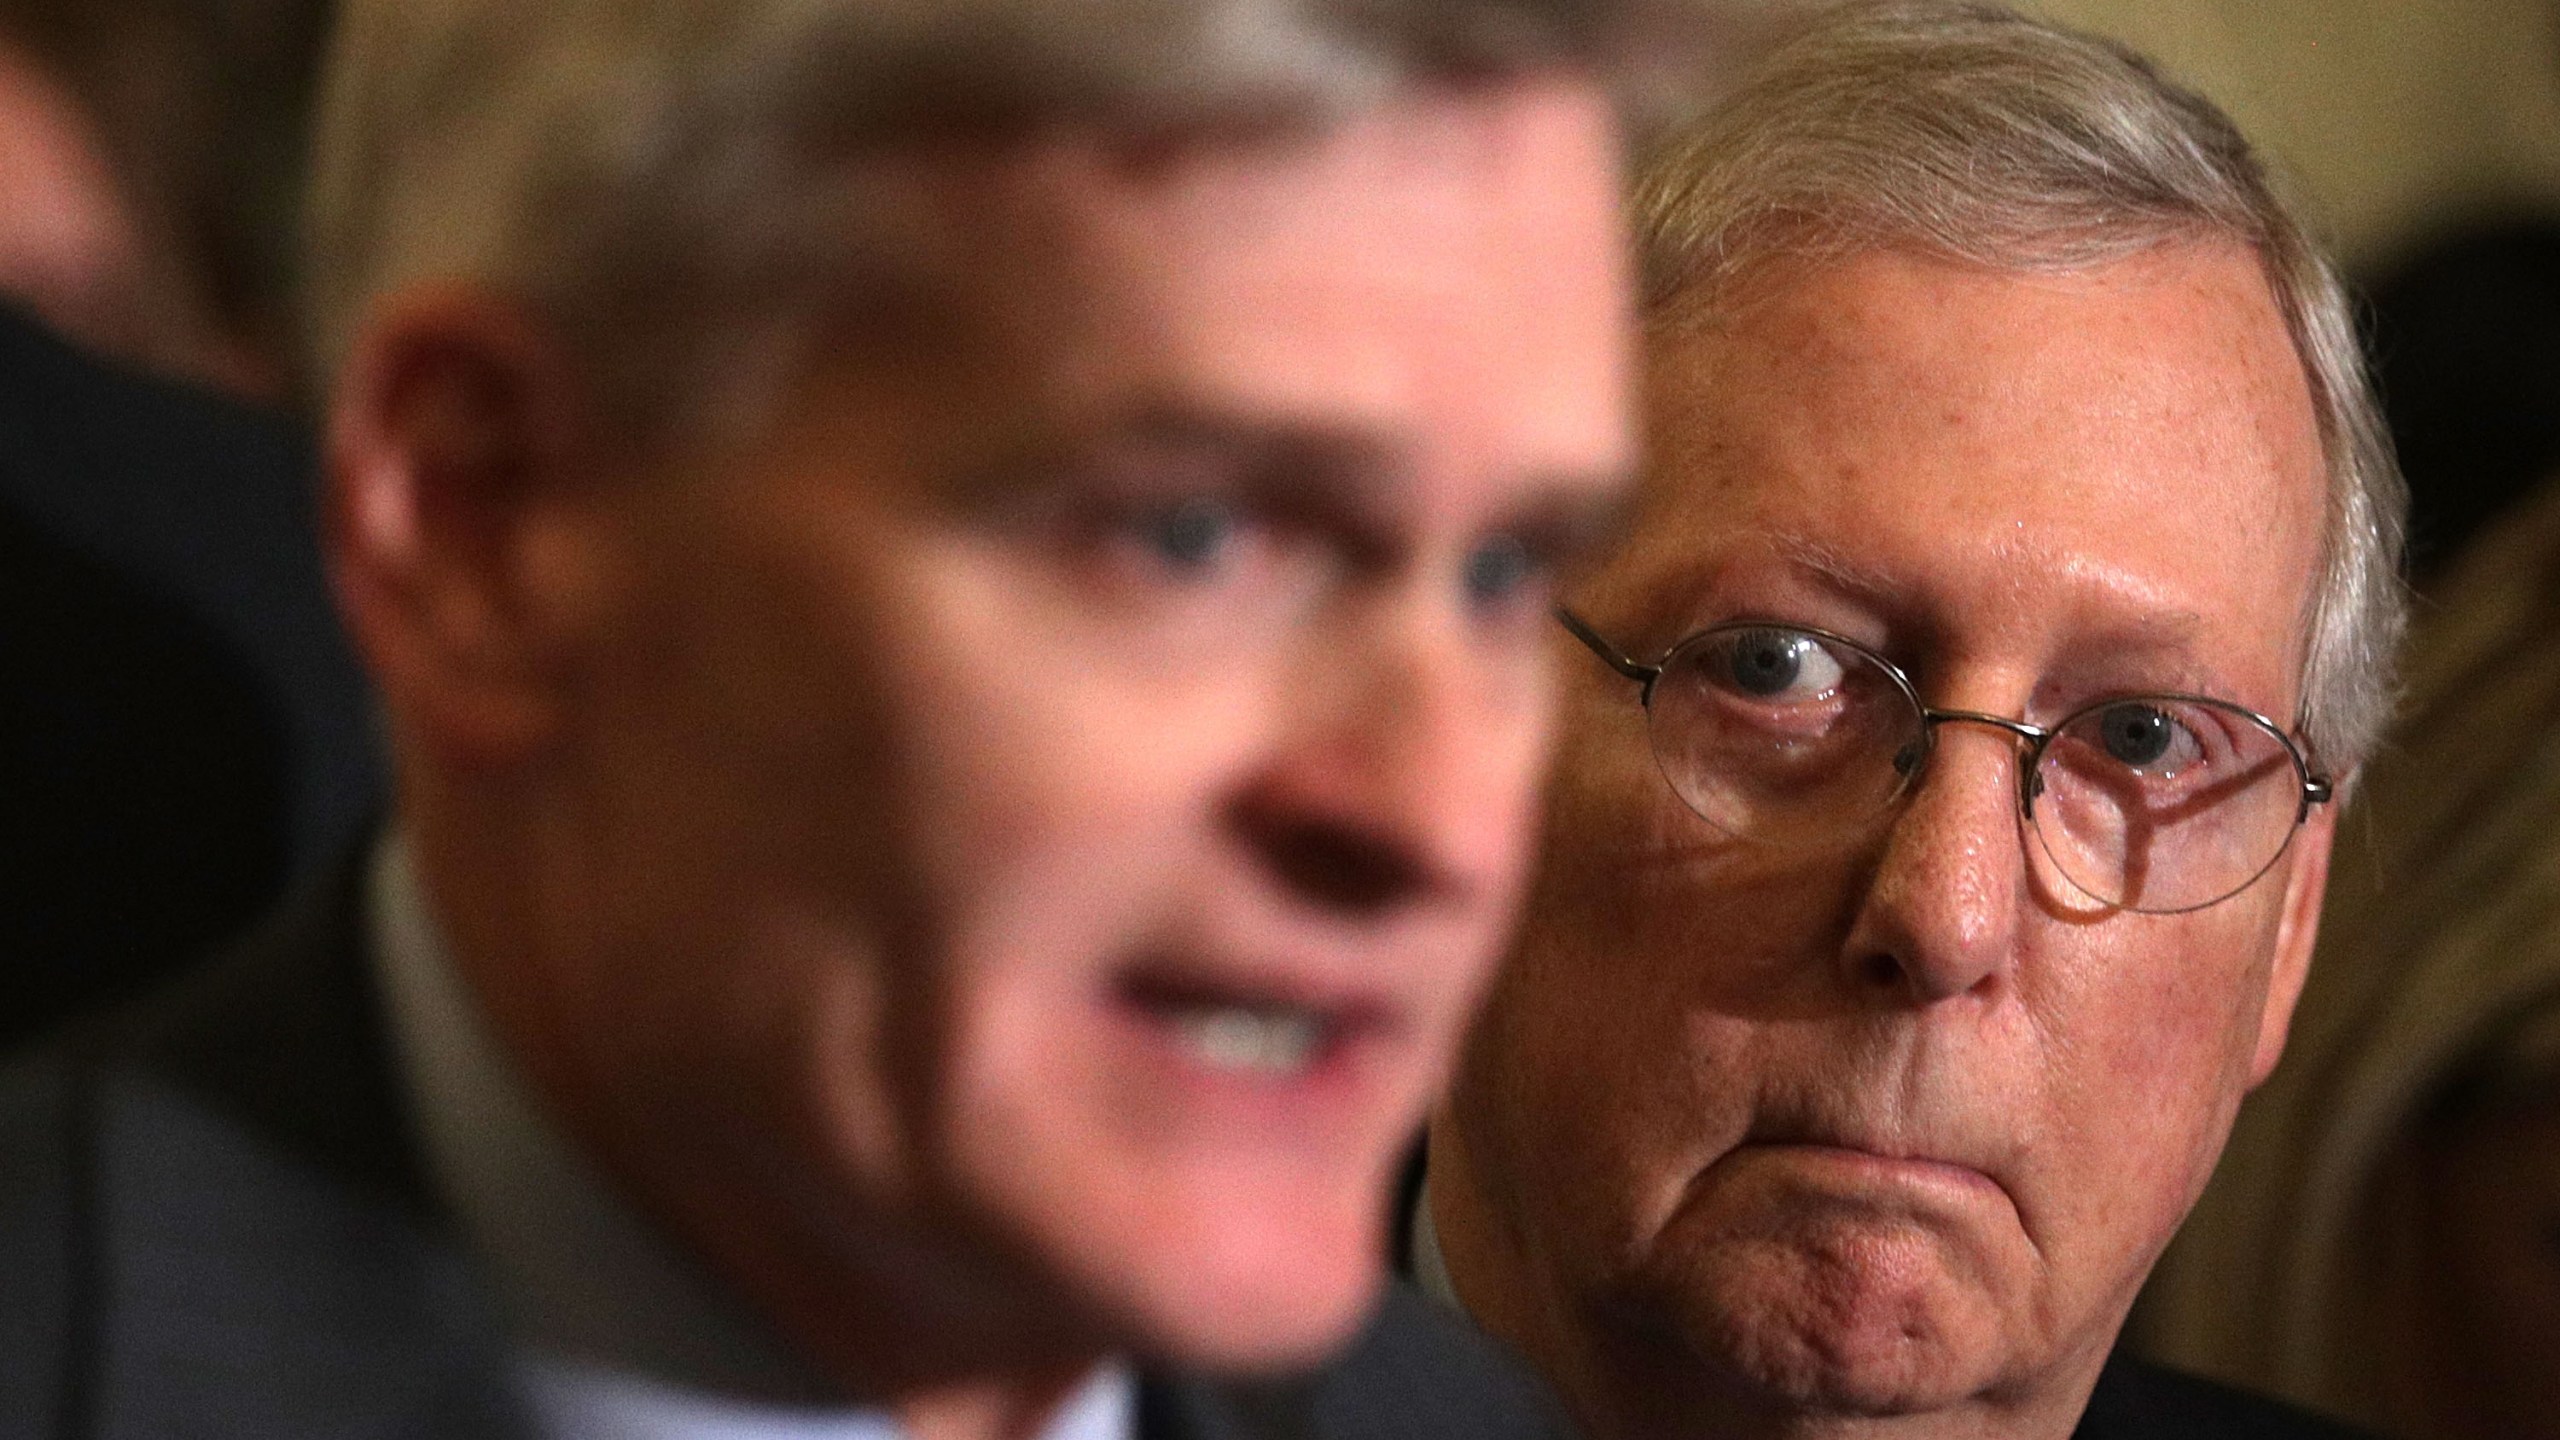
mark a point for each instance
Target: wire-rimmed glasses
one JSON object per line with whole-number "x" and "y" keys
{"x": 1782, "y": 734}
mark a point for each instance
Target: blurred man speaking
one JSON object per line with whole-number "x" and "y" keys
{"x": 960, "y": 594}
{"x": 1947, "y": 794}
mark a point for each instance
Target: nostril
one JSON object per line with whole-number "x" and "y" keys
{"x": 1883, "y": 971}
{"x": 1339, "y": 867}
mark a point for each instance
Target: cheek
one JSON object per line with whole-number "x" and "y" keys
{"x": 870, "y": 778}
{"x": 1650, "y": 939}
{"x": 2163, "y": 1012}
{"x": 1605, "y": 1075}
{"x": 2149, "y": 1025}
{"x": 1069, "y": 792}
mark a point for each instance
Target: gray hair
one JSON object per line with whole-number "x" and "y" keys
{"x": 668, "y": 171}
{"x": 1969, "y": 132}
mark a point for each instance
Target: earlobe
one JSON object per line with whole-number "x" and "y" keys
{"x": 451, "y": 426}
{"x": 2296, "y": 936}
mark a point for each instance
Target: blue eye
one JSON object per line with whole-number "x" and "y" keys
{"x": 2137, "y": 735}
{"x": 1191, "y": 536}
{"x": 1770, "y": 664}
{"x": 1498, "y": 569}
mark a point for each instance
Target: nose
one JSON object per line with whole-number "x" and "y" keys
{"x": 1394, "y": 780}
{"x": 1940, "y": 914}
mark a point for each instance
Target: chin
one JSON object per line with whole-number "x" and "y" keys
{"x": 1257, "y": 1321}
{"x": 1225, "y": 1264}
{"x": 1850, "y": 1369}
{"x": 1860, "y": 1332}
{"x": 1256, "y": 1273}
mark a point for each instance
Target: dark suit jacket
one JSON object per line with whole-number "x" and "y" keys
{"x": 208, "y": 504}
{"x": 2134, "y": 1400}
{"x": 182, "y": 726}
{"x": 2139, "y": 1401}
{"x": 142, "y": 783}
{"x": 213, "y": 1223}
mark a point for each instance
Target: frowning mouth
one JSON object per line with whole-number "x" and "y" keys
{"x": 1850, "y": 1155}
{"x": 1877, "y": 1167}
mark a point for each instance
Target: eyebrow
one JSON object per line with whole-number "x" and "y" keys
{"x": 1344, "y": 477}
{"x": 1344, "y": 474}
{"x": 2163, "y": 624}
{"x": 2140, "y": 630}
{"x": 1834, "y": 567}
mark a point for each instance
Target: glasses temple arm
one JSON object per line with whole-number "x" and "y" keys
{"x": 2318, "y": 786}
{"x": 1640, "y": 673}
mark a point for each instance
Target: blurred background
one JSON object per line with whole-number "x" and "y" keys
{"x": 183, "y": 733}
{"x": 2426, "y": 136}
{"x": 149, "y": 154}
{"x": 2402, "y": 117}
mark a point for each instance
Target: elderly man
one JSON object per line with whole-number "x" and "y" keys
{"x": 960, "y": 594}
{"x": 1952, "y": 763}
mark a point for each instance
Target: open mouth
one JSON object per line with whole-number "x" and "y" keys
{"x": 1230, "y": 1030}
{"x": 1275, "y": 1041}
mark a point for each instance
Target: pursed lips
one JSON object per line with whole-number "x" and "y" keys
{"x": 1886, "y": 1149}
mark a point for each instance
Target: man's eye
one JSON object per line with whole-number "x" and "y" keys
{"x": 2136, "y": 735}
{"x": 1776, "y": 664}
{"x": 1498, "y": 570}
{"x": 1190, "y": 537}
{"x": 2146, "y": 737}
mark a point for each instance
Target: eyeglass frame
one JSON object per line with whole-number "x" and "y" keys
{"x": 2316, "y": 788}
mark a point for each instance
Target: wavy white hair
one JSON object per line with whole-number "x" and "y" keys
{"x": 1970, "y": 132}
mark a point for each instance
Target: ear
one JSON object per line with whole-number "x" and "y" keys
{"x": 455, "y": 422}
{"x": 2307, "y": 884}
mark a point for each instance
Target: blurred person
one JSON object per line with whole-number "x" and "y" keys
{"x": 959, "y": 593}
{"x": 68, "y": 246}
{"x": 1949, "y": 777}
{"x": 150, "y": 155}
{"x": 2380, "y": 1241}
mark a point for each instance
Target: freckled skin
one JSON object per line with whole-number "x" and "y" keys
{"x": 2047, "y": 487}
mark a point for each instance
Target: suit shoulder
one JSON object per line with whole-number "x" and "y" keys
{"x": 1419, "y": 1371}
{"x": 2136, "y": 1400}
{"x": 41, "y": 1199}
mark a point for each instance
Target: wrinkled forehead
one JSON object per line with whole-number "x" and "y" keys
{"x": 1985, "y": 462}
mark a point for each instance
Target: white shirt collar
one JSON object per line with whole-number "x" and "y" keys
{"x": 1430, "y": 1267}
{"x": 622, "y": 1336}
{"x": 583, "y": 1402}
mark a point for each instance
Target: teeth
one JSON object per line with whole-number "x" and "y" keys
{"x": 1263, "y": 1041}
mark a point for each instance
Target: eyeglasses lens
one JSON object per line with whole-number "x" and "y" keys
{"x": 2165, "y": 805}
{"x": 1777, "y": 737}
{"x": 1786, "y": 738}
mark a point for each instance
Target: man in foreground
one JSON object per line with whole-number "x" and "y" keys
{"x": 960, "y": 593}
{"x": 1950, "y": 775}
